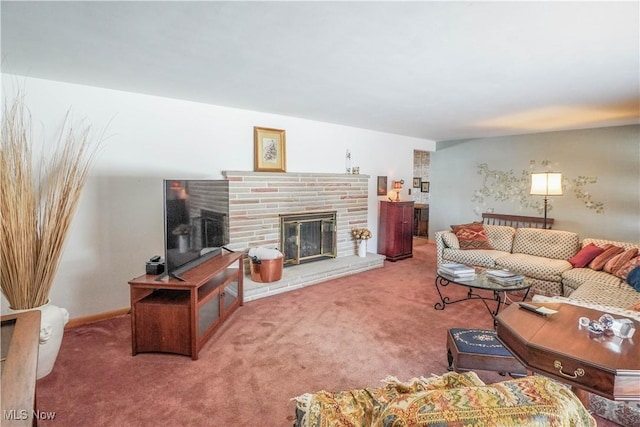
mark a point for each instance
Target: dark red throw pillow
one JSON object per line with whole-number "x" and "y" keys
{"x": 585, "y": 255}
{"x": 471, "y": 236}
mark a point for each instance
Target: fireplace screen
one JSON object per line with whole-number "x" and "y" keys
{"x": 308, "y": 237}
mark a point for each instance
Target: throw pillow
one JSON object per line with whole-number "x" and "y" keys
{"x": 609, "y": 252}
{"x": 633, "y": 278}
{"x": 585, "y": 255}
{"x": 471, "y": 236}
{"x": 619, "y": 260}
{"x": 624, "y": 271}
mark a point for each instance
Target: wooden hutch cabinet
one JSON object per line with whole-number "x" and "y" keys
{"x": 395, "y": 229}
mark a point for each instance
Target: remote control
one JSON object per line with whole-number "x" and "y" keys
{"x": 530, "y": 307}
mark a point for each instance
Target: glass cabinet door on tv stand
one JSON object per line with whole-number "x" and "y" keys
{"x": 175, "y": 316}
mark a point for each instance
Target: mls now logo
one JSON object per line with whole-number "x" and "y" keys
{"x": 23, "y": 414}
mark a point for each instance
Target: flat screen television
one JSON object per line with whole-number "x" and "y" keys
{"x": 196, "y": 222}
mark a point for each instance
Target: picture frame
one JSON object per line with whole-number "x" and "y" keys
{"x": 424, "y": 186}
{"x": 382, "y": 186}
{"x": 416, "y": 182}
{"x": 269, "y": 150}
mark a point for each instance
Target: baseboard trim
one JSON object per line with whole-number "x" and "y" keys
{"x": 85, "y": 320}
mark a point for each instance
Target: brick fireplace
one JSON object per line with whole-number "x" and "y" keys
{"x": 257, "y": 199}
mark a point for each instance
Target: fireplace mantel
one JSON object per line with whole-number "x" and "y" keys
{"x": 257, "y": 198}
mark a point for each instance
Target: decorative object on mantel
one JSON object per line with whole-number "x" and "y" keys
{"x": 38, "y": 197}
{"x": 362, "y": 235}
{"x": 348, "y": 162}
{"x": 382, "y": 186}
{"x": 269, "y": 150}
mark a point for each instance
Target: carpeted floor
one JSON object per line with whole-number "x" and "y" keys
{"x": 346, "y": 333}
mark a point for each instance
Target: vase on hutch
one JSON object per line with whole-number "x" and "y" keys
{"x": 52, "y": 321}
{"x": 362, "y": 249}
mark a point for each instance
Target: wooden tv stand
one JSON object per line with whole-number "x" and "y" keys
{"x": 172, "y": 316}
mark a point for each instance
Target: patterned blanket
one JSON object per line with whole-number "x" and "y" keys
{"x": 453, "y": 399}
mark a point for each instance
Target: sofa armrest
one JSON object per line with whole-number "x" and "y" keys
{"x": 445, "y": 239}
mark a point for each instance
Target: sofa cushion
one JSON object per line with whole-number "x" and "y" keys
{"x": 534, "y": 266}
{"x": 500, "y": 236}
{"x": 615, "y": 263}
{"x": 471, "y": 236}
{"x": 554, "y": 244}
{"x": 585, "y": 255}
{"x": 621, "y": 296}
{"x": 574, "y": 278}
{"x": 479, "y": 257}
{"x": 609, "y": 252}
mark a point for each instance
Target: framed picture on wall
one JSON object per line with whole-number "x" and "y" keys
{"x": 382, "y": 186}
{"x": 424, "y": 186}
{"x": 269, "y": 150}
{"x": 416, "y": 182}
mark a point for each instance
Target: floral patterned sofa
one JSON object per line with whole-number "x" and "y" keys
{"x": 450, "y": 399}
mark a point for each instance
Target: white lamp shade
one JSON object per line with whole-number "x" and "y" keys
{"x": 546, "y": 184}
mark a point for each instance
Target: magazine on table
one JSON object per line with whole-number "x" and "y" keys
{"x": 456, "y": 269}
{"x": 501, "y": 273}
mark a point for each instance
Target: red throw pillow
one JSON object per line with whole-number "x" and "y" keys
{"x": 471, "y": 236}
{"x": 619, "y": 260}
{"x": 609, "y": 252}
{"x": 623, "y": 271}
{"x": 585, "y": 255}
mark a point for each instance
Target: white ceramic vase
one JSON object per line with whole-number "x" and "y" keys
{"x": 362, "y": 249}
{"x": 52, "y": 321}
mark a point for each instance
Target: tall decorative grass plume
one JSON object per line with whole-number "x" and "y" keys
{"x": 39, "y": 194}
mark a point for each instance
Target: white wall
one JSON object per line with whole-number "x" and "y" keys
{"x": 118, "y": 225}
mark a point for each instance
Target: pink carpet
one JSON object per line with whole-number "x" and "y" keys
{"x": 346, "y": 333}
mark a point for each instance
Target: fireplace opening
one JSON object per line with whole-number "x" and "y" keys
{"x": 213, "y": 228}
{"x": 308, "y": 237}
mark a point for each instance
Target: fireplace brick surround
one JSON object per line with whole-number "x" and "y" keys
{"x": 256, "y": 200}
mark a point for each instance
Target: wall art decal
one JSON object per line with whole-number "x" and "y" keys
{"x": 509, "y": 186}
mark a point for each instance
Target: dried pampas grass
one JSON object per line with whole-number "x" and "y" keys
{"x": 38, "y": 197}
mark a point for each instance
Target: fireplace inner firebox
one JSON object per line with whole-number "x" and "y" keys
{"x": 306, "y": 237}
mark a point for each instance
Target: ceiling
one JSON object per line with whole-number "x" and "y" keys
{"x": 433, "y": 70}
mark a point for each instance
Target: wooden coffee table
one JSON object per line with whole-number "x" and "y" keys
{"x": 557, "y": 347}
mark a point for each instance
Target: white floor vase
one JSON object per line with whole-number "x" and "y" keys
{"x": 52, "y": 321}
